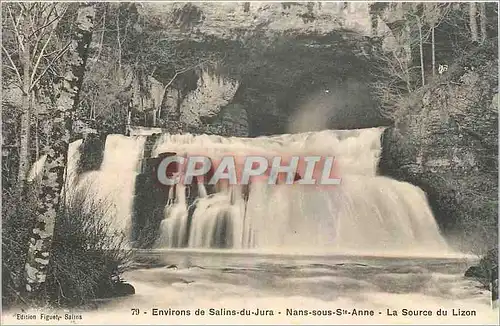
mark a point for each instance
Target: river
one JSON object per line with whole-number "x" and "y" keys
{"x": 174, "y": 286}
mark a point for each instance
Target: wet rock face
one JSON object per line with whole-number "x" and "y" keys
{"x": 91, "y": 153}
{"x": 149, "y": 199}
{"x": 233, "y": 121}
{"x": 446, "y": 143}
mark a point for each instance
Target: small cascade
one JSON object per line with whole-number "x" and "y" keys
{"x": 112, "y": 185}
{"x": 173, "y": 228}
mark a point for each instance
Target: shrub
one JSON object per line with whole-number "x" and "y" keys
{"x": 17, "y": 219}
{"x": 87, "y": 257}
{"x": 486, "y": 270}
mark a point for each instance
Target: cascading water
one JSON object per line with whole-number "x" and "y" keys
{"x": 174, "y": 228}
{"x": 113, "y": 184}
{"x": 365, "y": 213}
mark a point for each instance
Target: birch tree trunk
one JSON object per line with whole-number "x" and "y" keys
{"x": 59, "y": 137}
{"x": 406, "y": 43}
{"x": 24, "y": 137}
{"x": 473, "y": 21}
{"x": 421, "y": 48}
{"x": 433, "y": 42}
{"x": 482, "y": 21}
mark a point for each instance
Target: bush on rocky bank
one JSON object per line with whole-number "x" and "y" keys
{"x": 444, "y": 139}
{"x": 87, "y": 258}
{"x": 486, "y": 272}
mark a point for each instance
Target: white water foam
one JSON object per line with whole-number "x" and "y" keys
{"x": 311, "y": 288}
{"x": 113, "y": 184}
{"x": 365, "y": 213}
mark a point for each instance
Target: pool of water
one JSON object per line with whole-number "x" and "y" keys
{"x": 227, "y": 287}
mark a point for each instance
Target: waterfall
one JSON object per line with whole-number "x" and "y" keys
{"x": 112, "y": 186}
{"x": 173, "y": 229}
{"x": 365, "y": 213}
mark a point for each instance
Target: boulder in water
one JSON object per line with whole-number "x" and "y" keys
{"x": 122, "y": 289}
{"x": 475, "y": 271}
{"x": 486, "y": 266}
{"x": 487, "y": 272}
{"x": 108, "y": 290}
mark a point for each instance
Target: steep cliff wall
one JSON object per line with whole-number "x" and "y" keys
{"x": 446, "y": 141}
{"x": 271, "y": 60}
{"x": 236, "y": 20}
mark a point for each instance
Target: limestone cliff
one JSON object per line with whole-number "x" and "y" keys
{"x": 235, "y": 20}
{"x": 270, "y": 59}
{"x": 446, "y": 141}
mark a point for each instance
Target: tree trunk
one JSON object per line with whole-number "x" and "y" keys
{"x": 405, "y": 41}
{"x": 246, "y": 6}
{"x": 59, "y": 137}
{"x": 129, "y": 121}
{"x": 24, "y": 137}
{"x": 473, "y": 21}
{"x": 37, "y": 131}
{"x": 373, "y": 20}
{"x": 433, "y": 43}
{"x": 118, "y": 39}
{"x": 421, "y": 48}
{"x": 482, "y": 21}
